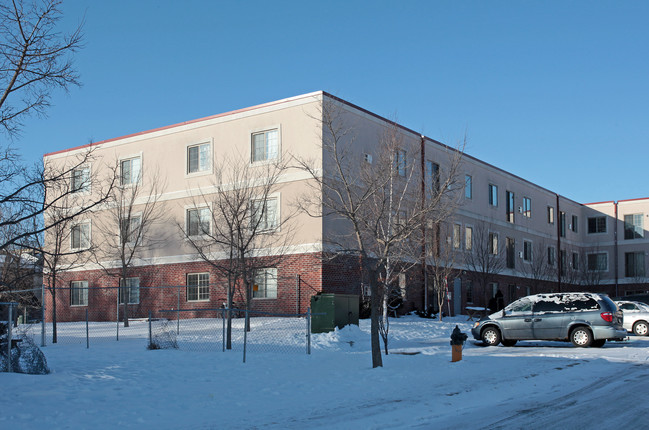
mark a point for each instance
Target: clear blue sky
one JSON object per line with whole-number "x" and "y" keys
{"x": 556, "y": 92}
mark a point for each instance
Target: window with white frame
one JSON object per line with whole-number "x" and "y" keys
{"x": 597, "y": 261}
{"x": 264, "y": 214}
{"x": 198, "y": 287}
{"x": 493, "y": 195}
{"x": 457, "y": 236}
{"x": 79, "y": 293}
{"x": 265, "y": 145}
{"x": 80, "y": 236}
{"x": 551, "y": 256}
{"x": 130, "y": 229}
{"x": 80, "y": 180}
{"x": 198, "y": 221}
{"x": 527, "y": 250}
{"x": 130, "y": 171}
{"x": 129, "y": 289}
{"x": 468, "y": 187}
{"x": 468, "y": 238}
{"x": 596, "y": 224}
{"x": 550, "y": 215}
{"x": 633, "y": 228}
{"x": 432, "y": 175}
{"x": 634, "y": 264}
{"x": 575, "y": 224}
{"x": 527, "y": 207}
{"x": 400, "y": 162}
{"x": 493, "y": 243}
{"x": 265, "y": 284}
{"x": 199, "y": 158}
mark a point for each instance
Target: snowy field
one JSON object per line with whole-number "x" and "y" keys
{"x": 534, "y": 385}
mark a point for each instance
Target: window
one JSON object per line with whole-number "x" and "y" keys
{"x": 457, "y": 236}
{"x": 575, "y": 261}
{"x": 432, "y": 173}
{"x": 198, "y": 221}
{"x": 265, "y": 284}
{"x": 469, "y": 291}
{"x": 550, "y": 215}
{"x": 468, "y": 186}
{"x": 265, "y": 145}
{"x": 400, "y": 162}
{"x": 510, "y": 248}
{"x": 80, "y": 182}
{"x": 562, "y": 224}
{"x": 493, "y": 195}
{"x": 468, "y": 238}
{"x": 563, "y": 260}
{"x": 199, "y": 158}
{"x": 433, "y": 239}
{"x": 597, "y": 261}
{"x": 509, "y": 206}
{"x": 597, "y": 224}
{"x": 130, "y": 229}
{"x": 493, "y": 243}
{"x": 527, "y": 250}
{"x": 198, "y": 287}
{"x": 80, "y": 236}
{"x": 264, "y": 214}
{"x": 633, "y": 227}
{"x": 527, "y": 207}
{"x": 79, "y": 293}
{"x": 129, "y": 288}
{"x": 130, "y": 171}
{"x": 575, "y": 224}
{"x": 634, "y": 264}
{"x": 551, "y": 256}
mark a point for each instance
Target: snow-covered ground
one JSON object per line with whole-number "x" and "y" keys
{"x": 534, "y": 385}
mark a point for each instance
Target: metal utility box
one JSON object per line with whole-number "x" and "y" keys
{"x": 338, "y": 310}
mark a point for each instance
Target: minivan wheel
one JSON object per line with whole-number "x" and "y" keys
{"x": 641, "y": 328}
{"x": 491, "y": 336}
{"x": 581, "y": 337}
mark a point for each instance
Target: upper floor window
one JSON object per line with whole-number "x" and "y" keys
{"x": 574, "y": 226}
{"x": 509, "y": 206}
{"x": 634, "y": 264}
{"x": 597, "y": 224}
{"x": 130, "y": 229}
{"x": 551, "y": 256}
{"x": 527, "y": 250}
{"x": 432, "y": 173}
{"x": 199, "y": 158}
{"x": 79, "y": 293}
{"x": 80, "y": 236}
{"x": 457, "y": 236}
{"x": 562, "y": 224}
{"x": 129, "y": 291}
{"x": 633, "y": 226}
{"x": 493, "y": 243}
{"x": 597, "y": 261}
{"x": 400, "y": 162}
{"x": 198, "y": 221}
{"x": 265, "y": 145}
{"x": 493, "y": 195}
{"x": 198, "y": 287}
{"x": 265, "y": 284}
{"x": 468, "y": 186}
{"x": 468, "y": 238}
{"x": 130, "y": 171}
{"x": 264, "y": 214}
{"x": 527, "y": 207}
{"x": 80, "y": 179}
{"x": 550, "y": 215}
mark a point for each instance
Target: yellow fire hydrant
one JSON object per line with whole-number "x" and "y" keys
{"x": 457, "y": 342}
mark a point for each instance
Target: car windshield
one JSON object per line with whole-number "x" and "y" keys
{"x": 520, "y": 306}
{"x": 643, "y": 306}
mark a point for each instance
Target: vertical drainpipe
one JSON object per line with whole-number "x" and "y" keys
{"x": 423, "y": 224}
{"x": 615, "y": 250}
{"x": 559, "y": 265}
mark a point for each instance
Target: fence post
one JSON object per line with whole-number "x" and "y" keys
{"x": 308, "y": 331}
{"x": 42, "y": 314}
{"x": 150, "y": 332}
{"x": 9, "y": 337}
{"x": 245, "y": 336}
{"x": 117, "y": 309}
{"x": 223, "y": 335}
{"x": 178, "y": 317}
{"x": 87, "y": 331}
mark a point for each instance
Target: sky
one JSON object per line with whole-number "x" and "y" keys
{"x": 555, "y": 92}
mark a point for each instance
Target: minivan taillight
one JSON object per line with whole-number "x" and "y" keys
{"x": 607, "y": 316}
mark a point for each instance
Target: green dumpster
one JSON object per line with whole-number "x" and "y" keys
{"x": 333, "y": 310}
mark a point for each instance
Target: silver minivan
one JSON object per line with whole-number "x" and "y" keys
{"x": 585, "y": 319}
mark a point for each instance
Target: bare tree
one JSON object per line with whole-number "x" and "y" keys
{"x": 485, "y": 261}
{"x": 593, "y": 267}
{"x": 126, "y": 232}
{"x": 235, "y": 226}
{"x": 35, "y": 58}
{"x": 442, "y": 258}
{"x": 381, "y": 203}
{"x": 537, "y": 268}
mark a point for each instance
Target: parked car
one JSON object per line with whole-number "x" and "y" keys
{"x": 635, "y": 317}
{"x": 585, "y": 319}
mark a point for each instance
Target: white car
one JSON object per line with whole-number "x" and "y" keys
{"x": 636, "y": 317}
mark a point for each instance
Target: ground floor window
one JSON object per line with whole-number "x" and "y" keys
{"x": 79, "y": 293}
{"x": 198, "y": 287}
{"x": 129, "y": 289}
{"x": 265, "y": 284}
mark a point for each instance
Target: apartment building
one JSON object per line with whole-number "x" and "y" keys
{"x": 546, "y": 242}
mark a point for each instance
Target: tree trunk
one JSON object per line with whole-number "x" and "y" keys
{"x": 53, "y": 293}
{"x": 375, "y": 301}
